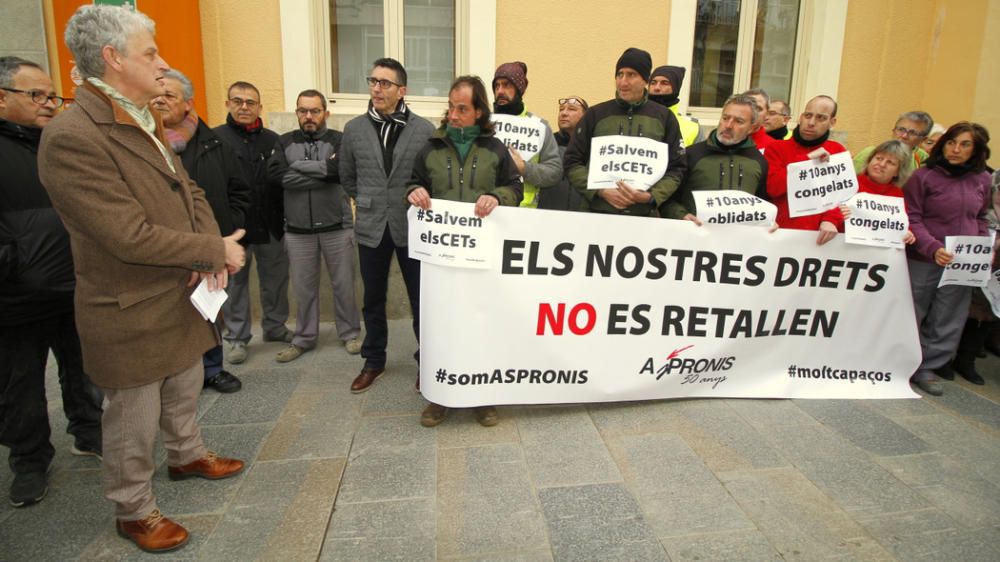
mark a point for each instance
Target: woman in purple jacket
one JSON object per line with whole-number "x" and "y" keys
{"x": 949, "y": 197}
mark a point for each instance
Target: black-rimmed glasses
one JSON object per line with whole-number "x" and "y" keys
{"x": 40, "y": 97}
{"x": 382, "y": 82}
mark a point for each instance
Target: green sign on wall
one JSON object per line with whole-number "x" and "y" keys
{"x": 126, "y": 3}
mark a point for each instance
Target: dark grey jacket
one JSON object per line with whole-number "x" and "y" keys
{"x": 380, "y": 200}
{"x": 313, "y": 197}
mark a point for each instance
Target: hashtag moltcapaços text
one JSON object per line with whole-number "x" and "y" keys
{"x": 513, "y": 376}
{"x": 830, "y": 373}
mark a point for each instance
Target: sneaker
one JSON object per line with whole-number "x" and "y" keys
{"x": 486, "y": 416}
{"x": 82, "y": 449}
{"x": 286, "y": 337}
{"x": 28, "y": 488}
{"x": 433, "y": 415}
{"x": 237, "y": 352}
{"x": 224, "y": 382}
{"x": 290, "y": 353}
{"x": 353, "y": 346}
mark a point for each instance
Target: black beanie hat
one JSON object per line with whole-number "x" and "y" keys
{"x": 636, "y": 59}
{"x": 673, "y": 73}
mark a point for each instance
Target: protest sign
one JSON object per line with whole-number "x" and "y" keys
{"x": 450, "y": 234}
{"x": 876, "y": 220}
{"x": 971, "y": 266}
{"x": 732, "y": 207}
{"x": 525, "y": 134}
{"x": 814, "y": 186}
{"x": 638, "y": 161}
{"x": 992, "y": 292}
{"x": 578, "y": 307}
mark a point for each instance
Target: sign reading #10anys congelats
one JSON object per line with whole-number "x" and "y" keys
{"x": 971, "y": 266}
{"x": 524, "y": 134}
{"x": 814, "y": 186}
{"x": 638, "y": 161}
{"x": 876, "y": 220}
{"x": 582, "y": 307}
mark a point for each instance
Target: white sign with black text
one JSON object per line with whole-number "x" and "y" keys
{"x": 733, "y": 207}
{"x": 971, "y": 266}
{"x": 450, "y": 234}
{"x": 525, "y": 134}
{"x": 638, "y": 161}
{"x": 815, "y": 186}
{"x": 876, "y": 220}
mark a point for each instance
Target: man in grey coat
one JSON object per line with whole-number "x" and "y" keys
{"x": 376, "y": 159}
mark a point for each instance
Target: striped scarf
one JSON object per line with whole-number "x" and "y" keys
{"x": 389, "y": 124}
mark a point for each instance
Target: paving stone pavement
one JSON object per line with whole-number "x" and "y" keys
{"x": 337, "y": 476}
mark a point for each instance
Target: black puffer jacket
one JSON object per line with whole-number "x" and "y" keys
{"x": 36, "y": 265}
{"x": 215, "y": 168}
{"x": 253, "y": 148}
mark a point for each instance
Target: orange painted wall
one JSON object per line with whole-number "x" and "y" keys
{"x": 178, "y": 34}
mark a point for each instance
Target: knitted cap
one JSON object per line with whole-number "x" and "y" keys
{"x": 673, "y": 73}
{"x": 516, "y": 72}
{"x": 636, "y": 59}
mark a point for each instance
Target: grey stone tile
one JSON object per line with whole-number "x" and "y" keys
{"x": 848, "y": 476}
{"x": 109, "y": 546}
{"x": 486, "y": 502}
{"x": 60, "y": 526}
{"x": 677, "y": 493}
{"x": 537, "y": 555}
{"x": 280, "y": 512}
{"x": 392, "y": 458}
{"x": 737, "y": 546}
{"x": 929, "y": 535}
{"x": 261, "y": 400}
{"x": 864, "y": 427}
{"x": 901, "y": 408}
{"x": 197, "y": 495}
{"x": 317, "y": 422}
{"x": 722, "y": 438}
{"x": 462, "y": 430}
{"x": 978, "y": 450}
{"x": 765, "y": 414}
{"x": 634, "y": 418}
{"x": 798, "y": 520}
{"x": 563, "y": 447}
{"x": 970, "y": 405}
{"x": 388, "y": 530}
{"x": 394, "y": 393}
{"x": 597, "y": 522}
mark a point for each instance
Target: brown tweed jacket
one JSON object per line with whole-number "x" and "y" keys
{"x": 137, "y": 230}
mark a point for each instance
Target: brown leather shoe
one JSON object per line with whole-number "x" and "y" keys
{"x": 211, "y": 467}
{"x": 433, "y": 415}
{"x": 365, "y": 380}
{"x": 486, "y": 415}
{"x": 153, "y": 533}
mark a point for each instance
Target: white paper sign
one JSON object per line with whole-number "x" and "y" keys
{"x": 585, "y": 307}
{"x": 971, "y": 265}
{"x": 638, "y": 161}
{"x": 876, "y": 220}
{"x": 521, "y": 133}
{"x": 450, "y": 233}
{"x": 992, "y": 292}
{"x": 814, "y": 187}
{"x": 208, "y": 302}
{"x": 732, "y": 207}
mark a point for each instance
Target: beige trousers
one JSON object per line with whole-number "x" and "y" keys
{"x": 131, "y": 418}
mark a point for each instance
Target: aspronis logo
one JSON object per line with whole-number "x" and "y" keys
{"x": 674, "y": 364}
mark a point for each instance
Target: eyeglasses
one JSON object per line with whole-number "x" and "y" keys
{"x": 304, "y": 111}
{"x": 382, "y": 82}
{"x": 39, "y": 96}
{"x": 908, "y": 132}
{"x": 240, "y": 102}
{"x": 571, "y": 101}
{"x": 772, "y": 113}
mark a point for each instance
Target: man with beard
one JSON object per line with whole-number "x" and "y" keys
{"x": 728, "y": 159}
{"x": 376, "y": 160}
{"x": 665, "y": 88}
{"x": 544, "y": 169}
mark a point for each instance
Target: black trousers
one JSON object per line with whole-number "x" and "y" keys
{"x": 374, "y": 264}
{"x": 24, "y": 418}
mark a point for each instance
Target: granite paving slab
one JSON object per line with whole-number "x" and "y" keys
{"x": 563, "y": 447}
{"x": 382, "y": 530}
{"x": 734, "y": 546}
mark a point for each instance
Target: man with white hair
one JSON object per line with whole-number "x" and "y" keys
{"x": 141, "y": 233}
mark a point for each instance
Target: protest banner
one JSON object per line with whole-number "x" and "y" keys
{"x": 971, "y": 266}
{"x": 521, "y": 133}
{"x": 733, "y": 207}
{"x": 450, "y": 234}
{"x": 638, "y": 161}
{"x": 814, "y": 186}
{"x": 578, "y": 307}
{"x": 876, "y": 220}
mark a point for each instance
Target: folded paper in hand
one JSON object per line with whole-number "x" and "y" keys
{"x": 208, "y": 302}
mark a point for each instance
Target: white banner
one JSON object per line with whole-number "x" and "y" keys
{"x": 814, "y": 186}
{"x": 579, "y": 307}
{"x": 521, "y": 133}
{"x": 732, "y": 207}
{"x": 450, "y": 234}
{"x": 971, "y": 266}
{"x": 638, "y": 161}
{"x": 876, "y": 220}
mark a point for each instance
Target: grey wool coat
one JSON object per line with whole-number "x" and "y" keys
{"x": 380, "y": 200}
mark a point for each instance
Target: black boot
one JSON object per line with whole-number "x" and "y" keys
{"x": 973, "y": 338}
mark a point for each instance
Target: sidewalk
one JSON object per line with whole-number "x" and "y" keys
{"x": 336, "y": 476}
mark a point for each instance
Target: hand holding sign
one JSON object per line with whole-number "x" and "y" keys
{"x": 876, "y": 220}
{"x": 815, "y": 186}
{"x": 638, "y": 161}
{"x": 970, "y": 260}
{"x": 730, "y": 207}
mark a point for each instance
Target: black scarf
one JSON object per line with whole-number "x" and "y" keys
{"x": 955, "y": 170}
{"x": 562, "y": 138}
{"x": 388, "y": 126}
{"x": 666, "y": 100}
{"x": 779, "y": 133}
{"x": 513, "y": 107}
{"x": 810, "y": 143}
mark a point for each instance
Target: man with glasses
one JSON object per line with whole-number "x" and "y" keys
{"x": 912, "y": 128}
{"x": 376, "y": 160}
{"x": 245, "y": 133}
{"x": 776, "y": 120}
{"x": 318, "y": 222}
{"x": 36, "y": 293}
{"x": 571, "y": 110}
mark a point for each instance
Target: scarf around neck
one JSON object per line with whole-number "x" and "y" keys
{"x": 389, "y": 125}
{"x": 180, "y": 134}
{"x": 142, "y": 116}
{"x": 463, "y": 137}
{"x": 810, "y": 143}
